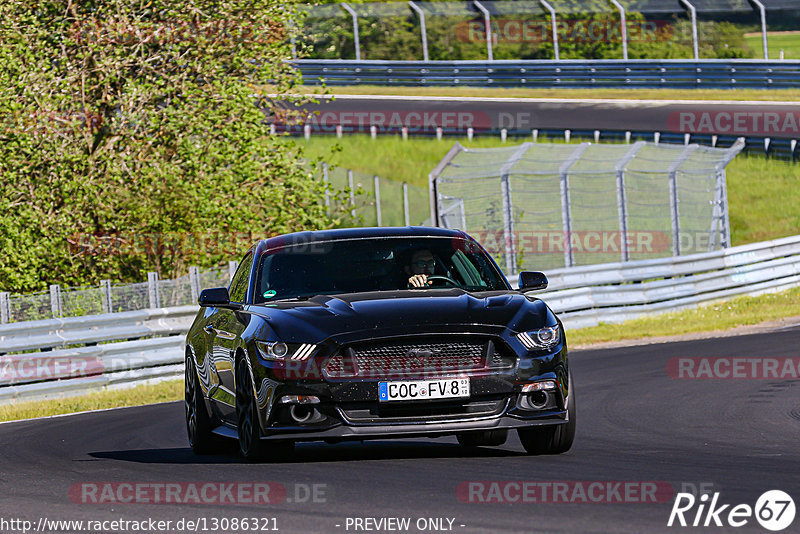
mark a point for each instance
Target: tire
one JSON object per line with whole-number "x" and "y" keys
{"x": 552, "y": 439}
{"x": 487, "y": 438}
{"x": 251, "y": 446}
{"x": 199, "y": 425}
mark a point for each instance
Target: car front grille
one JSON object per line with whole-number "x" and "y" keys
{"x": 419, "y": 359}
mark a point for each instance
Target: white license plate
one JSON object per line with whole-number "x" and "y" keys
{"x": 444, "y": 388}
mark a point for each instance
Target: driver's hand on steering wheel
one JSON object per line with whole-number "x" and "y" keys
{"x": 419, "y": 280}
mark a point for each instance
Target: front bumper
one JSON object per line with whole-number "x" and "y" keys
{"x": 349, "y": 409}
{"x": 421, "y": 429}
{"x": 497, "y": 404}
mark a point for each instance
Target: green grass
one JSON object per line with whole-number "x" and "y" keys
{"x": 170, "y": 390}
{"x": 789, "y": 42}
{"x": 763, "y": 193}
{"x": 719, "y": 316}
{"x": 601, "y": 93}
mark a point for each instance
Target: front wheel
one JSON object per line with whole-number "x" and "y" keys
{"x": 251, "y": 447}
{"x": 552, "y": 439}
{"x": 198, "y": 423}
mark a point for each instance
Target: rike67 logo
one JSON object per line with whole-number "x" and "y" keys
{"x": 774, "y": 510}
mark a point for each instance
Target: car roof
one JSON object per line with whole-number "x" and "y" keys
{"x": 356, "y": 233}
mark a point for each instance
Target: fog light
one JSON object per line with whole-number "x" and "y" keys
{"x": 299, "y": 399}
{"x": 539, "y": 386}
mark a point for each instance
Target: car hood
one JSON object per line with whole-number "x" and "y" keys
{"x": 410, "y": 311}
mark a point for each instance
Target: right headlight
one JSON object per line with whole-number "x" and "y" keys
{"x": 543, "y": 338}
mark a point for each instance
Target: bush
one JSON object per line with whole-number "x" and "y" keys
{"x": 133, "y": 138}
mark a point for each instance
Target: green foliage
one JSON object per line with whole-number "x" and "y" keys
{"x": 586, "y": 30}
{"x": 133, "y": 138}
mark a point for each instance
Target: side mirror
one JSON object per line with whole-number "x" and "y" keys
{"x": 216, "y": 297}
{"x": 530, "y": 280}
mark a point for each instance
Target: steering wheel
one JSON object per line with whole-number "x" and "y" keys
{"x": 438, "y": 277}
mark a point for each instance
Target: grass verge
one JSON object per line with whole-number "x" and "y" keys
{"x": 169, "y": 390}
{"x": 769, "y": 95}
{"x": 789, "y": 42}
{"x": 720, "y": 316}
{"x": 762, "y": 193}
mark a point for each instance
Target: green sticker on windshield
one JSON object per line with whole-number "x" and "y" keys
{"x": 269, "y": 294}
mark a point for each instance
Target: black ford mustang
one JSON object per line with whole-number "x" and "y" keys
{"x": 376, "y": 332}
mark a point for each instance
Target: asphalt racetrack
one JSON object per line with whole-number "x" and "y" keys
{"x": 424, "y": 113}
{"x": 636, "y": 425}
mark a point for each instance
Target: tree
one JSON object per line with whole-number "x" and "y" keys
{"x": 134, "y": 137}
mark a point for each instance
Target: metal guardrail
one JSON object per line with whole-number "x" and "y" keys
{"x": 642, "y": 73}
{"x": 54, "y": 365}
{"x": 77, "y": 355}
{"x": 587, "y": 296}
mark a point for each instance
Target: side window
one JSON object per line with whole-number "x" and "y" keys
{"x": 238, "y": 287}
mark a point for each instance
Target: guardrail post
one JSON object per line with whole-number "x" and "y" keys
{"x": 352, "y": 192}
{"x": 624, "y": 28}
{"x": 406, "y": 216}
{"x": 105, "y": 286}
{"x": 152, "y": 290}
{"x": 194, "y": 282}
{"x": 433, "y": 177}
{"x": 487, "y": 24}
{"x": 552, "y": 11}
{"x": 378, "y": 200}
{"x": 5, "y": 307}
{"x": 673, "y": 198}
{"x": 566, "y": 209}
{"x": 723, "y": 192}
{"x": 353, "y": 14}
{"x": 232, "y": 266}
{"x": 55, "y": 300}
{"x": 693, "y": 13}
{"x": 508, "y": 208}
{"x": 622, "y": 202}
{"x": 423, "y": 31}
{"x": 763, "y": 12}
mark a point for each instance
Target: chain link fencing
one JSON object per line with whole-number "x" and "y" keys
{"x": 539, "y": 206}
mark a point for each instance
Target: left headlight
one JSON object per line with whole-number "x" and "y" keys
{"x": 543, "y": 338}
{"x": 279, "y": 351}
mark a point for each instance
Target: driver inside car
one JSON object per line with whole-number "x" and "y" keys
{"x": 422, "y": 266}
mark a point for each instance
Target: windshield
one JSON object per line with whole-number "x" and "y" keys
{"x": 377, "y": 264}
